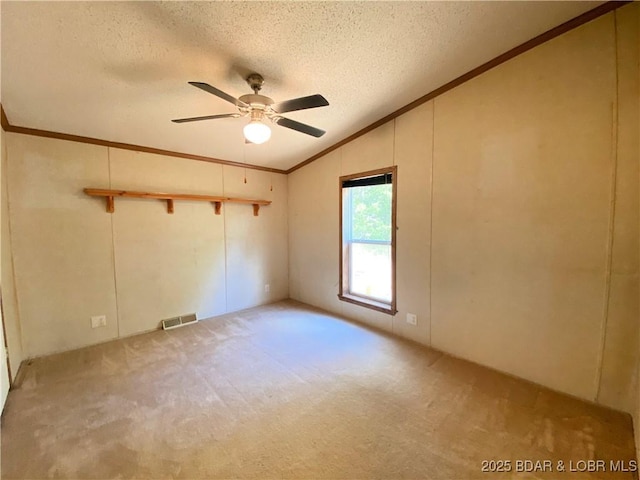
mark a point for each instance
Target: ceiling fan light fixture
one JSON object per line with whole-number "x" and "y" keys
{"x": 260, "y": 107}
{"x": 257, "y": 132}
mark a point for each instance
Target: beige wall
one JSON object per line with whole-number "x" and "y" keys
{"x": 517, "y": 216}
{"x": 72, "y": 260}
{"x": 314, "y": 219}
{"x": 9, "y": 300}
{"x": 621, "y": 343}
{"x": 4, "y": 367}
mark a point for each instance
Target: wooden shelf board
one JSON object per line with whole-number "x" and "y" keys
{"x": 170, "y": 197}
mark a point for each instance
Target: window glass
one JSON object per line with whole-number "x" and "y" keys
{"x": 367, "y": 251}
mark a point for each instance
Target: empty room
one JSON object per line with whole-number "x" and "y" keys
{"x": 320, "y": 240}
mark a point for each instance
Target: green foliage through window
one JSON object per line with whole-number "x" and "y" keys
{"x": 371, "y": 213}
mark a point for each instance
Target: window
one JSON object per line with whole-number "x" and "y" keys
{"x": 367, "y": 242}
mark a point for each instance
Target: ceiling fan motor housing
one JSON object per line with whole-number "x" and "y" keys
{"x": 259, "y": 106}
{"x": 256, "y": 100}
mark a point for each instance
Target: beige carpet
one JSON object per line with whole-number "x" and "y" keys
{"x": 284, "y": 391}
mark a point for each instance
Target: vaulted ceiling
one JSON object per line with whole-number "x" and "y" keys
{"x": 118, "y": 71}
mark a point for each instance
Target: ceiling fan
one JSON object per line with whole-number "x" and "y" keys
{"x": 259, "y": 108}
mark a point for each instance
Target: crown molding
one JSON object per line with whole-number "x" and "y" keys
{"x": 7, "y": 127}
{"x": 514, "y": 52}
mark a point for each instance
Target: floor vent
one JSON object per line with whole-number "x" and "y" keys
{"x": 181, "y": 321}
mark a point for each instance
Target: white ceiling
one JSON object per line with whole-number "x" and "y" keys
{"x": 118, "y": 70}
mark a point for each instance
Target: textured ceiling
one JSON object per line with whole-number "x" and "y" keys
{"x": 118, "y": 70}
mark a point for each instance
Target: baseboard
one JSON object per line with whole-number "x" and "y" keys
{"x": 19, "y": 378}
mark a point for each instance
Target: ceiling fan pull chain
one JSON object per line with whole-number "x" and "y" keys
{"x": 244, "y": 160}
{"x": 270, "y": 150}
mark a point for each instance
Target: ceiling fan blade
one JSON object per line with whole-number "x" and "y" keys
{"x": 208, "y": 117}
{"x": 302, "y": 103}
{"x": 300, "y": 127}
{"x": 219, "y": 93}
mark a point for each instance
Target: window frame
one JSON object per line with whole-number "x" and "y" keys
{"x": 344, "y": 294}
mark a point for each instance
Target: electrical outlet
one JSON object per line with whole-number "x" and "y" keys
{"x": 412, "y": 319}
{"x": 267, "y": 288}
{"x": 99, "y": 321}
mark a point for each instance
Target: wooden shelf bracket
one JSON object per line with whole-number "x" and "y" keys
{"x": 109, "y": 195}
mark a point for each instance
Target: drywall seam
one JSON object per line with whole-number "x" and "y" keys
{"x": 609, "y": 259}
{"x": 393, "y": 151}
{"x": 286, "y": 179}
{"x": 16, "y": 297}
{"x": 433, "y": 148}
{"x": 113, "y": 250}
{"x": 612, "y": 212}
{"x": 341, "y": 305}
{"x": 224, "y": 236}
{"x": 395, "y": 261}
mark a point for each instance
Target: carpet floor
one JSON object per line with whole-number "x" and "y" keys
{"x": 286, "y": 391}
